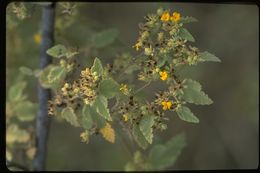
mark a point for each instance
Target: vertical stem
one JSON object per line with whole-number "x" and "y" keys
{"x": 42, "y": 120}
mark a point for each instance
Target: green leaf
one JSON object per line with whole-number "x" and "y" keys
{"x": 97, "y": 67}
{"x": 163, "y": 156}
{"x": 26, "y": 70}
{"x": 87, "y": 120}
{"x": 101, "y": 107}
{"x": 56, "y": 74}
{"x": 104, "y": 38}
{"x": 186, "y": 115}
{"x": 15, "y": 134}
{"x": 139, "y": 137}
{"x": 130, "y": 69}
{"x": 192, "y": 93}
{"x": 69, "y": 115}
{"x": 57, "y": 51}
{"x": 146, "y": 124}
{"x": 185, "y": 34}
{"x": 109, "y": 88}
{"x": 100, "y": 121}
{"x": 188, "y": 19}
{"x": 43, "y": 76}
{"x": 25, "y": 111}
{"x": 206, "y": 56}
{"x": 15, "y": 93}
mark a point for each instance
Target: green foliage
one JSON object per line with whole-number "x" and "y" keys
{"x": 15, "y": 134}
{"x": 69, "y": 115}
{"x": 188, "y": 19}
{"x": 97, "y": 67}
{"x": 186, "y": 115}
{"x": 104, "y": 38}
{"x": 139, "y": 137}
{"x": 87, "y": 120}
{"x": 56, "y": 74}
{"x": 109, "y": 88}
{"x": 101, "y": 107}
{"x": 25, "y": 111}
{"x": 15, "y": 93}
{"x": 57, "y": 51}
{"x": 146, "y": 124}
{"x": 26, "y": 71}
{"x": 193, "y": 93}
{"x": 185, "y": 34}
{"x": 206, "y": 56}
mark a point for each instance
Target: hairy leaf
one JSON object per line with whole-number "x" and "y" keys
{"x": 97, "y": 67}
{"x": 69, "y": 115}
{"x": 57, "y": 51}
{"x": 101, "y": 107}
{"x": 185, "y": 34}
{"x": 188, "y": 19}
{"x": 26, "y": 70}
{"x": 87, "y": 120}
{"x": 25, "y": 111}
{"x": 15, "y": 93}
{"x": 139, "y": 137}
{"x": 206, "y": 56}
{"x": 146, "y": 124}
{"x": 186, "y": 115}
{"x": 109, "y": 88}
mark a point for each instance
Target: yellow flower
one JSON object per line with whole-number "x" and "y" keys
{"x": 175, "y": 16}
{"x": 166, "y": 105}
{"x": 163, "y": 74}
{"x": 125, "y": 117}
{"x": 165, "y": 16}
{"x": 137, "y": 46}
{"x": 37, "y": 38}
{"x": 84, "y": 136}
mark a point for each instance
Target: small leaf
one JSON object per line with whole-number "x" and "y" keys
{"x": 87, "y": 120}
{"x": 69, "y": 115}
{"x": 15, "y": 93}
{"x": 186, "y": 115}
{"x": 192, "y": 93}
{"x": 57, "y": 51}
{"x": 185, "y": 34}
{"x": 101, "y": 107}
{"x": 139, "y": 138}
{"x": 25, "y": 111}
{"x": 146, "y": 124}
{"x": 56, "y": 74}
{"x": 108, "y": 133}
{"x": 109, "y": 88}
{"x": 206, "y": 56}
{"x": 15, "y": 134}
{"x": 188, "y": 19}
{"x": 97, "y": 67}
{"x": 104, "y": 38}
{"x": 26, "y": 71}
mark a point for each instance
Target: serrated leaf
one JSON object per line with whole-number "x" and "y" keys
{"x": 109, "y": 88}
{"x": 97, "y": 67}
{"x": 104, "y": 38}
{"x": 87, "y": 120}
{"x": 108, "y": 133}
{"x": 100, "y": 121}
{"x": 185, "y": 34}
{"x": 15, "y": 134}
{"x": 15, "y": 93}
{"x": 26, "y": 70}
{"x": 25, "y": 111}
{"x": 56, "y": 74}
{"x": 101, "y": 107}
{"x": 206, "y": 56}
{"x": 185, "y": 114}
{"x": 192, "y": 93}
{"x": 146, "y": 124}
{"x": 163, "y": 156}
{"x": 57, "y": 51}
{"x": 139, "y": 137}
{"x": 69, "y": 115}
{"x": 188, "y": 19}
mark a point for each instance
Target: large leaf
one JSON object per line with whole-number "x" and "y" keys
{"x": 57, "y": 51}
{"x": 193, "y": 94}
{"x": 185, "y": 34}
{"x": 146, "y": 124}
{"x": 97, "y": 67}
{"x": 101, "y": 107}
{"x": 25, "y": 111}
{"x": 104, "y": 38}
{"x": 163, "y": 156}
{"x": 109, "y": 88}
{"x": 206, "y": 56}
{"x": 87, "y": 120}
{"x": 15, "y": 93}
{"x": 69, "y": 115}
{"x": 139, "y": 137}
{"x": 185, "y": 114}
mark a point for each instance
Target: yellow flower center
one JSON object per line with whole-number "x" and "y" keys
{"x": 37, "y": 38}
{"x": 164, "y": 75}
{"x": 175, "y": 16}
{"x": 166, "y": 105}
{"x": 165, "y": 17}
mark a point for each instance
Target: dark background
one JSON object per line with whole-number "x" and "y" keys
{"x": 227, "y": 136}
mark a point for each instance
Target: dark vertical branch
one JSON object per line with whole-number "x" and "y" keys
{"x": 43, "y": 121}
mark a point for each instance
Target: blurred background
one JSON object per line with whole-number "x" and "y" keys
{"x": 227, "y": 136}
